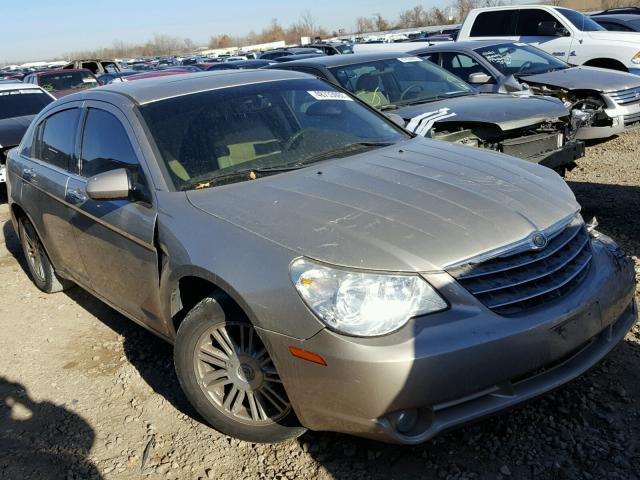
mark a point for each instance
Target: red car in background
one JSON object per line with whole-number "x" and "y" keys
{"x": 63, "y": 82}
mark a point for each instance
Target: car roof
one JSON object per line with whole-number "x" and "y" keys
{"x": 351, "y": 59}
{"x": 18, "y": 86}
{"x": 464, "y": 45}
{"x": 623, "y": 17}
{"x": 61, "y": 70}
{"x": 160, "y": 88}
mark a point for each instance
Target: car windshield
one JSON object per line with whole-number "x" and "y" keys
{"x": 18, "y": 103}
{"x": 399, "y": 81}
{"x": 67, "y": 81}
{"x": 580, "y": 21}
{"x": 519, "y": 59}
{"x": 344, "y": 48}
{"x": 233, "y": 134}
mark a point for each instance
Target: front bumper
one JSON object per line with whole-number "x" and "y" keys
{"x": 562, "y": 157}
{"x": 450, "y": 368}
{"x": 623, "y": 117}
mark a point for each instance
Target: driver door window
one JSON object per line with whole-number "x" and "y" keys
{"x": 106, "y": 146}
{"x": 462, "y": 65}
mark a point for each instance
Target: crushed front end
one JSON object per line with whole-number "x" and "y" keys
{"x": 551, "y": 143}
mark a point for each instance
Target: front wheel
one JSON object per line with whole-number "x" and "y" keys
{"x": 229, "y": 376}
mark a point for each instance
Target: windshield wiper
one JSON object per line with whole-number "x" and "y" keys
{"x": 389, "y": 106}
{"x": 255, "y": 173}
{"x": 345, "y": 149}
{"x": 244, "y": 174}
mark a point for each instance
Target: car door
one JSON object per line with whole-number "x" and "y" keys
{"x": 116, "y": 237}
{"x": 527, "y": 32}
{"x": 45, "y": 171}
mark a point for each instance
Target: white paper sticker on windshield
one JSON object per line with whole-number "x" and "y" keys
{"x": 410, "y": 59}
{"x": 329, "y": 95}
{"x": 88, "y": 80}
{"x": 21, "y": 92}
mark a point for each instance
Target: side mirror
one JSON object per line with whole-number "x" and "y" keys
{"x": 111, "y": 185}
{"x": 479, "y": 78}
{"x": 551, "y": 29}
{"x": 395, "y": 118}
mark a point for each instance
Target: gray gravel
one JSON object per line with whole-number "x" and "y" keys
{"x": 84, "y": 393}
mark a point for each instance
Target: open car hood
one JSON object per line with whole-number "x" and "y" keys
{"x": 415, "y": 206}
{"x": 508, "y": 112}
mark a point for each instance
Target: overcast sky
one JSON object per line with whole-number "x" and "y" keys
{"x": 39, "y": 30}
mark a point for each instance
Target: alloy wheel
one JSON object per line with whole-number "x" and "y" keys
{"x": 34, "y": 252}
{"x": 237, "y": 374}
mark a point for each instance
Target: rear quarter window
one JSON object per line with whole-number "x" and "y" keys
{"x": 495, "y": 24}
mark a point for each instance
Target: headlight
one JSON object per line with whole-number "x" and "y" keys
{"x": 363, "y": 304}
{"x": 636, "y": 58}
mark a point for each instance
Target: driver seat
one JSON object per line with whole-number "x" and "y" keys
{"x": 368, "y": 90}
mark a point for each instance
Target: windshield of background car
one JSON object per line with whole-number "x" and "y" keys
{"x": 344, "y": 48}
{"x": 67, "y": 81}
{"x": 18, "y": 103}
{"x": 398, "y": 81}
{"x": 520, "y": 59}
{"x": 287, "y": 124}
{"x": 580, "y": 21}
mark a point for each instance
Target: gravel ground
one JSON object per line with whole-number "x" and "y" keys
{"x": 84, "y": 393}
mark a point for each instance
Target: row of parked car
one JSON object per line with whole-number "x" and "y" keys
{"x": 317, "y": 262}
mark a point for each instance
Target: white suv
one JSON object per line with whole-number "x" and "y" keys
{"x": 567, "y": 34}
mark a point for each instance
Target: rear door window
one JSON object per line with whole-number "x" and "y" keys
{"x": 530, "y": 18}
{"x": 55, "y": 143}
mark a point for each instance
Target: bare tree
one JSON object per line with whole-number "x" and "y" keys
{"x": 463, "y": 8}
{"x": 364, "y": 25}
{"x": 221, "y": 41}
{"x": 414, "y": 17}
{"x": 380, "y": 23}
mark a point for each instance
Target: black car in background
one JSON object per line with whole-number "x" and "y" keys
{"x": 619, "y": 22}
{"x": 239, "y": 65}
{"x": 19, "y": 103}
{"x": 282, "y": 52}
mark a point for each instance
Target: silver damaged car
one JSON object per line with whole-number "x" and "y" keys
{"x": 315, "y": 265}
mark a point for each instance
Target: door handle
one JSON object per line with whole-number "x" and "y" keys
{"x": 28, "y": 174}
{"x": 77, "y": 196}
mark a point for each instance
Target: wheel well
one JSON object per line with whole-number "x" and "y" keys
{"x": 606, "y": 63}
{"x": 189, "y": 292}
{"x": 17, "y": 211}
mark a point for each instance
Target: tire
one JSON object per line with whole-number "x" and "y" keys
{"x": 228, "y": 376}
{"x": 40, "y": 267}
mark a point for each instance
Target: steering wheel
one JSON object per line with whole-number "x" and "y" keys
{"x": 414, "y": 86}
{"x": 294, "y": 140}
{"x": 524, "y": 66}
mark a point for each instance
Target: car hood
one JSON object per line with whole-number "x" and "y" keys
{"x": 621, "y": 39}
{"x": 508, "y": 112}
{"x": 12, "y": 130}
{"x": 586, "y": 78}
{"x": 416, "y": 206}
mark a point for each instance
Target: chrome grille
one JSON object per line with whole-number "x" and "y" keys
{"x": 512, "y": 283}
{"x": 631, "y": 119}
{"x": 626, "y": 97}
